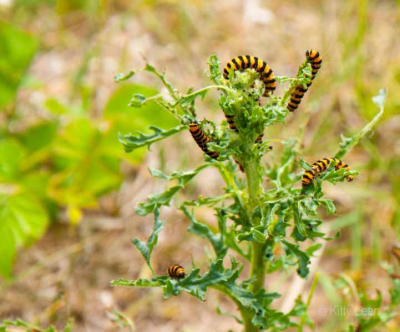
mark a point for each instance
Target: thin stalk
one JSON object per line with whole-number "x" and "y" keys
{"x": 294, "y": 83}
{"x": 244, "y": 312}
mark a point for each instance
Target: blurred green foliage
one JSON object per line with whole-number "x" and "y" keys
{"x": 65, "y": 160}
{"x": 17, "y": 49}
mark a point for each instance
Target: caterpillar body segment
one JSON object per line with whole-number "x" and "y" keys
{"x": 314, "y": 58}
{"x": 321, "y": 166}
{"x": 239, "y": 165}
{"x": 202, "y": 139}
{"x": 243, "y": 62}
{"x": 176, "y": 271}
{"x": 259, "y": 139}
{"x": 231, "y": 122}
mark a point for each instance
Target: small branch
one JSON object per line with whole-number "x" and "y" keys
{"x": 293, "y": 85}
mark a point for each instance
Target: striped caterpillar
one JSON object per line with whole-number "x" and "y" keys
{"x": 321, "y": 166}
{"x": 243, "y": 62}
{"x": 202, "y": 139}
{"x": 315, "y": 59}
{"x": 176, "y": 271}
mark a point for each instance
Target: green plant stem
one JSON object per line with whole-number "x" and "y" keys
{"x": 257, "y": 270}
{"x": 253, "y": 187}
{"x": 244, "y": 312}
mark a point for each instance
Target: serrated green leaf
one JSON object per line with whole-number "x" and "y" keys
{"x": 258, "y": 236}
{"x": 157, "y": 200}
{"x": 161, "y": 76}
{"x": 206, "y": 201}
{"x": 132, "y": 142}
{"x": 137, "y": 283}
{"x": 299, "y": 233}
{"x": 186, "y": 100}
{"x": 328, "y": 203}
{"x": 182, "y": 177}
{"x": 137, "y": 100}
{"x": 204, "y": 231}
{"x": 164, "y": 198}
{"x": 214, "y": 66}
{"x": 158, "y": 174}
{"x": 302, "y": 258}
{"x": 146, "y": 248}
{"x": 256, "y": 233}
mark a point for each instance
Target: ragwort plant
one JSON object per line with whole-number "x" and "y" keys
{"x": 253, "y": 221}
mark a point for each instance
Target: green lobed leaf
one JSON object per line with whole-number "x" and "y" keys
{"x": 137, "y": 283}
{"x": 302, "y": 258}
{"x": 161, "y": 76}
{"x": 204, "y": 231}
{"x": 206, "y": 201}
{"x": 214, "y": 66}
{"x": 137, "y": 100}
{"x": 146, "y": 248}
{"x": 216, "y": 277}
{"x": 157, "y": 200}
{"x": 182, "y": 177}
{"x": 187, "y": 100}
{"x": 299, "y": 232}
{"x": 329, "y": 205}
{"x": 132, "y": 142}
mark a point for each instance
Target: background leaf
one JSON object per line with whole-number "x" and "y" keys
{"x": 23, "y": 220}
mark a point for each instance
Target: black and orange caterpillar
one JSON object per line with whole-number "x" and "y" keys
{"x": 202, "y": 139}
{"x": 315, "y": 59}
{"x": 176, "y": 271}
{"x": 243, "y": 62}
{"x": 321, "y": 166}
